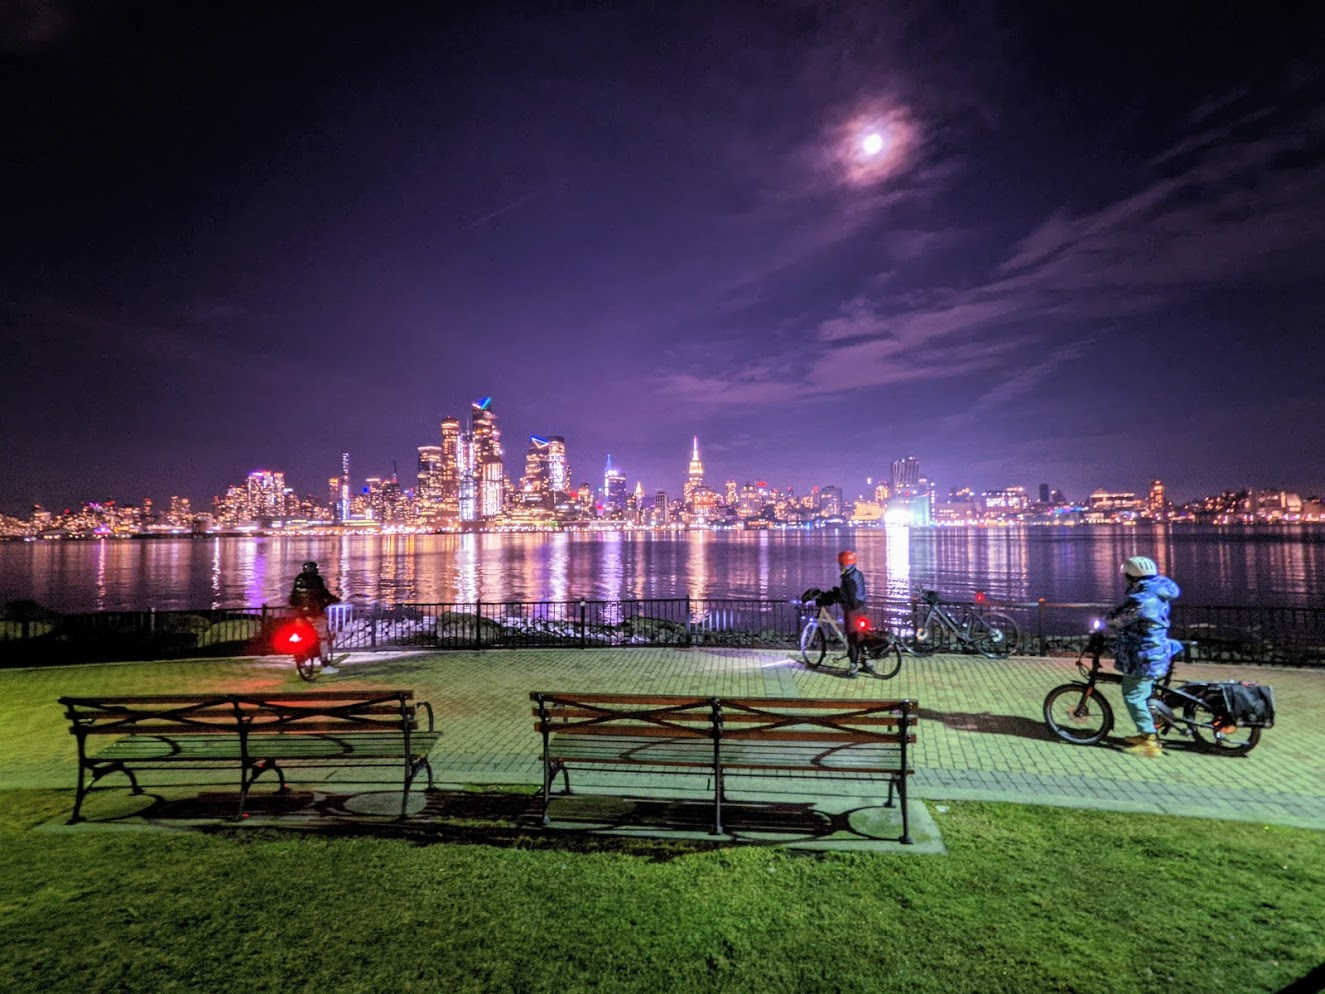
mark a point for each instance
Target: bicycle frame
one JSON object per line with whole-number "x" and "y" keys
{"x": 827, "y": 620}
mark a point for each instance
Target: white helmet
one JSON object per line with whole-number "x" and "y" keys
{"x": 1139, "y": 566}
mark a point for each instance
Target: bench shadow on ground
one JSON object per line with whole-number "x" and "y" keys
{"x": 655, "y": 828}
{"x": 994, "y": 724}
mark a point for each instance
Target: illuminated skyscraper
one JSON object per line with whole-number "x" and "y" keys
{"x": 615, "y": 491}
{"x": 450, "y": 481}
{"x": 694, "y": 475}
{"x": 489, "y": 474}
{"x": 343, "y": 505}
{"x": 429, "y": 492}
{"x": 467, "y": 488}
{"x": 1157, "y": 506}
{"x": 264, "y": 495}
{"x": 558, "y": 468}
{"x": 535, "y": 488}
{"x": 906, "y": 476}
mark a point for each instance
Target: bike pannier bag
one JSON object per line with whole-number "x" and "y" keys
{"x": 1249, "y": 704}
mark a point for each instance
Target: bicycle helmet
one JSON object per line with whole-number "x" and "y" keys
{"x": 846, "y": 558}
{"x": 1140, "y": 566}
{"x": 310, "y": 567}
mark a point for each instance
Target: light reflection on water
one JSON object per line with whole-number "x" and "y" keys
{"x": 1214, "y": 566}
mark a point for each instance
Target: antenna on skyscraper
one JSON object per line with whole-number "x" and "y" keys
{"x": 395, "y": 475}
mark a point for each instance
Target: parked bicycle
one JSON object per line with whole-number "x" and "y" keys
{"x": 1224, "y": 716}
{"x": 880, "y": 652}
{"x": 989, "y": 633}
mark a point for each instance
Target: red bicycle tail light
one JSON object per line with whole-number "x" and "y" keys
{"x": 863, "y": 624}
{"x": 294, "y": 636}
{"x": 979, "y": 596}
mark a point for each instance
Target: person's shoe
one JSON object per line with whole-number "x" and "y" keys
{"x": 1135, "y": 740}
{"x": 851, "y": 673}
{"x": 329, "y": 670}
{"x": 868, "y": 669}
{"x": 1149, "y": 748}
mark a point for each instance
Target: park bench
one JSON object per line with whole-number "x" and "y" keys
{"x": 250, "y": 734}
{"x": 721, "y": 735}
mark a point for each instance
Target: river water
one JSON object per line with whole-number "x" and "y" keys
{"x": 1281, "y": 565}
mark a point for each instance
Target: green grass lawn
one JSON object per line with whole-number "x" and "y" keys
{"x": 1028, "y": 899}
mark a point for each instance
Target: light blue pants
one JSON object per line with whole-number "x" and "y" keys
{"x": 1136, "y": 692}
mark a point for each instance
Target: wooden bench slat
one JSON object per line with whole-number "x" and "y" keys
{"x": 792, "y": 703}
{"x": 807, "y": 758}
{"x": 293, "y": 746}
{"x": 728, "y": 717}
{"x": 291, "y": 698}
{"x": 254, "y": 731}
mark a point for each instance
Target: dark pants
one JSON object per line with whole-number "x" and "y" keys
{"x": 851, "y": 617}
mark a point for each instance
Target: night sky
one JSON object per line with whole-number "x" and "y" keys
{"x": 1081, "y": 246}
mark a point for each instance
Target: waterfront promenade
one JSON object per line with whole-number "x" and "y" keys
{"x": 983, "y": 737}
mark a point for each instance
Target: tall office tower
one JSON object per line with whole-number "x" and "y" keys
{"x": 343, "y": 504}
{"x": 1044, "y": 493}
{"x": 749, "y": 503}
{"x": 333, "y": 497}
{"x": 830, "y": 502}
{"x": 694, "y": 476}
{"x": 730, "y": 492}
{"x": 429, "y": 492}
{"x": 615, "y": 490}
{"x": 450, "y": 481}
{"x": 536, "y": 485}
{"x": 558, "y": 468}
{"x": 1157, "y": 506}
{"x": 660, "y": 509}
{"x": 488, "y": 471}
{"x": 906, "y": 476}
{"x": 467, "y": 489}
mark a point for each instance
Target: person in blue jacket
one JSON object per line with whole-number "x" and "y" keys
{"x": 1144, "y": 650}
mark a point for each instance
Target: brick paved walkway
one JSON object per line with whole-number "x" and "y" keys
{"x": 983, "y": 738}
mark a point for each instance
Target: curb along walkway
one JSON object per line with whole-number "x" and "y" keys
{"x": 983, "y": 736}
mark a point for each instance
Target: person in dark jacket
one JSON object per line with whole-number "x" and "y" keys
{"x": 851, "y": 594}
{"x": 1144, "y": 651}
{"x": 311, "y": 598}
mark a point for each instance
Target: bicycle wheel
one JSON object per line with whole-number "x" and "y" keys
{"x": 883, "y": 657}
{"x": 994, "y": 635}
{"x": 814, "y": 645}
{"x": 1213, "y": 734}
{"x": 1076, "y": 717}
{"x": 305, "y": 668}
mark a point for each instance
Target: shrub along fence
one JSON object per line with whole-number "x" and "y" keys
{"x": 31, "y": 636}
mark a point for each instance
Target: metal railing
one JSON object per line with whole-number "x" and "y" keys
{"x": 1242, "y": 634}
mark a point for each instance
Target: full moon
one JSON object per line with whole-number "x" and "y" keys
{"x": 873, "y": 144}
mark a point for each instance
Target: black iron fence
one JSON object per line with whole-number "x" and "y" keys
{"x": 1243, "y": 634}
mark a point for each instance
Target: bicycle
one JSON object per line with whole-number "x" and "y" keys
{"x": 989, "y": 633}
{"x": 300, "y": 638}
{"x": 1079, "y": 713}
{"x": 880, "y": 652}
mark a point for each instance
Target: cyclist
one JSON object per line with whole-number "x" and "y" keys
{"x": 1145, "y": 650}
{"x": 850, "y": 593}
{"x": 310, "y": 597}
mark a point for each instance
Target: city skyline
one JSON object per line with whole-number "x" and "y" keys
{"x": 1063, "y": 245}
{"x": 463, "y": 483}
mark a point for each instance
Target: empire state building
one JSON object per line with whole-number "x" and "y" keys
{"x": 694, "y": 476}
